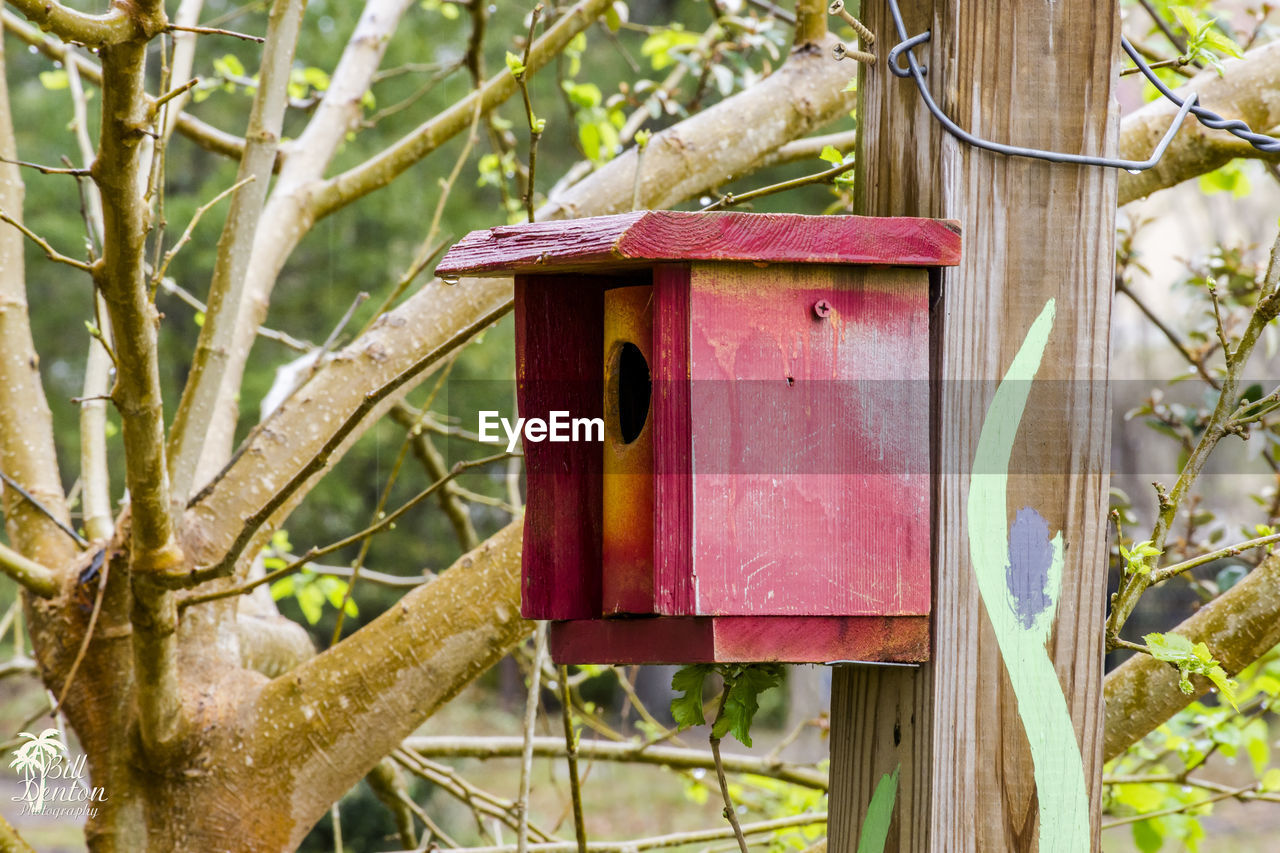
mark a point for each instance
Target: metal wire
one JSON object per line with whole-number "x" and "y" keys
{"x": 915, "y": 70}
{"x": 1206, "y": 117}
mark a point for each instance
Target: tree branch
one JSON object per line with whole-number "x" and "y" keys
{"x": 26, "y": 426}
{"x": 1239, "y": 626}
{"x": 205, "y": 135}
{"x": 226, "y": 290}
{"x": 1244, "y": 90}
{"x": 33, "y": 576}
{"x": 811, "y": 21}
{"x": 351, "y": 705}
{"x": 114, "y": 26}
{"x": 283, "y": 222}
{"x": 380, "y": 170}
{"x": 676, "y": 758}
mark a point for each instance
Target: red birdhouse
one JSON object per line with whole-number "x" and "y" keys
{"x": 761, "y": 492}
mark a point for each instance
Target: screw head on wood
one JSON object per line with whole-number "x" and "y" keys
{"x": 821, "y": 309}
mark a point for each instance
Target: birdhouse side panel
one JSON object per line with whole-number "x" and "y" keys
{"x": 673, "y": 487}
{"x": 559, "y": 349}
{"x": 810, "y": 426}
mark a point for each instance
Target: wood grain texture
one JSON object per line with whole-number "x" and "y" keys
{"x": 1034, "y": 231}
{"x": 739, "y": 639}
{"x": 673, "y": 485}
{"x": 627, "y": 550}
{"x": 810, "y": 440}
{"x": 645, "y": 236}
{"x": 559, "y": 352}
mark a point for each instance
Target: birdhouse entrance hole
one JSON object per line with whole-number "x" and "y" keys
{"x": 630, "y": 386}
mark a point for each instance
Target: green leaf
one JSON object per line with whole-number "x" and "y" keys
{"x": 661, "y": 46}
{"x": 688, "y": 681}
{"x": 54, "y": 80}
{"x": 1187, "y": 18}
{"x": 744, "y": 700}
{"x": 831, "y": 154}
{"x": 229, "y": 65}
{"x": 1147, "y": 836}
{"x": 1222, "y": 43}
{"x": 642, "y": 138}
{"x": 515, "y": 65}
{"x": 1191, "y": 659}
{"x": 1271, "y": 780}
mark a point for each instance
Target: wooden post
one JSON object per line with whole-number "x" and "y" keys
{"x": 966, "y": 732}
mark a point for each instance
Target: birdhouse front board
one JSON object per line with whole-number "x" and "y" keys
{"x": 762, "y": 489}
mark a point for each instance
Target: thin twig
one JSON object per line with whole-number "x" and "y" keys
{"x": 52, "y": 253}
{"x": 47, "y": 170}
{"x": 490, "y": 748}
{"x": 571, "y": 753}
{"x": 88, "y": 633}
{"x": 1225, "y": 795}
{"x": 170, "y": 286}
{"x": 195, "y": 220}
{"x": 729, "y": 199}
{"x": 1169, "y": 333}
{"x": 316, "y": 553}
{"x": 321, "y": 459}
{"x": 175, "y": 92}
{"x": 535, "y": 132}
{"x": 530, "y": 718}
{"x": 214, "y": 31}
{"x": 729, "y": 813}
{"x": 1159, "y": 575}
{"x": 31, "y": 499}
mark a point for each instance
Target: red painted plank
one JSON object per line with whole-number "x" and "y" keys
{"x": 627, "y": 584}
{"x": 643, "y": 237}
{"x": 740, "y": 639}
{"x": 559, "y": 349}
{"x": 673, "y": 483}
{"x": 810, "y": 440}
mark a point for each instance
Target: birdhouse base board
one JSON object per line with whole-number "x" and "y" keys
{"x": 741, "y": 639}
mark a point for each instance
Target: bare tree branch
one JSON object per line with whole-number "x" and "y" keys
{"x": 26, "y": 426}
{"x": 204, "y": 135}
{"x": 380, "y": 170}
{"x": 226, "y": 290}
{"x": 281, "y": 224}
{"x": 29, "y": 573}
{"x": 351, "y": 705}
{"x": 114, "y": 26}
{"x": 596, "y": 750}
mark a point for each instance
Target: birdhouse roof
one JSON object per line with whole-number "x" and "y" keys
{"x": 643, "y": 238}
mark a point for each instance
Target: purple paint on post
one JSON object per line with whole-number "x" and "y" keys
{"x": 1030, "y": 556}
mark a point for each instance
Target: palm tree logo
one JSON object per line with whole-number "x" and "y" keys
{"x": 33, "y": 760}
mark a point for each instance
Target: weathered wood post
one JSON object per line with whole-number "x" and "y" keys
{"x": 974, "y": 733}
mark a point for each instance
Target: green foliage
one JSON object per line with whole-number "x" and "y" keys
{"x": 1232, "y": 178}
{"x": 308, "y": 589}
{"x": 743, "y": 684}
{"x": 664, "y": 47}
{"x": 1207, "y": 42}
{"x": 1191, "y": 659}
{"x": 1177, "y": 753}
{"x": 1136, "y": 557}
